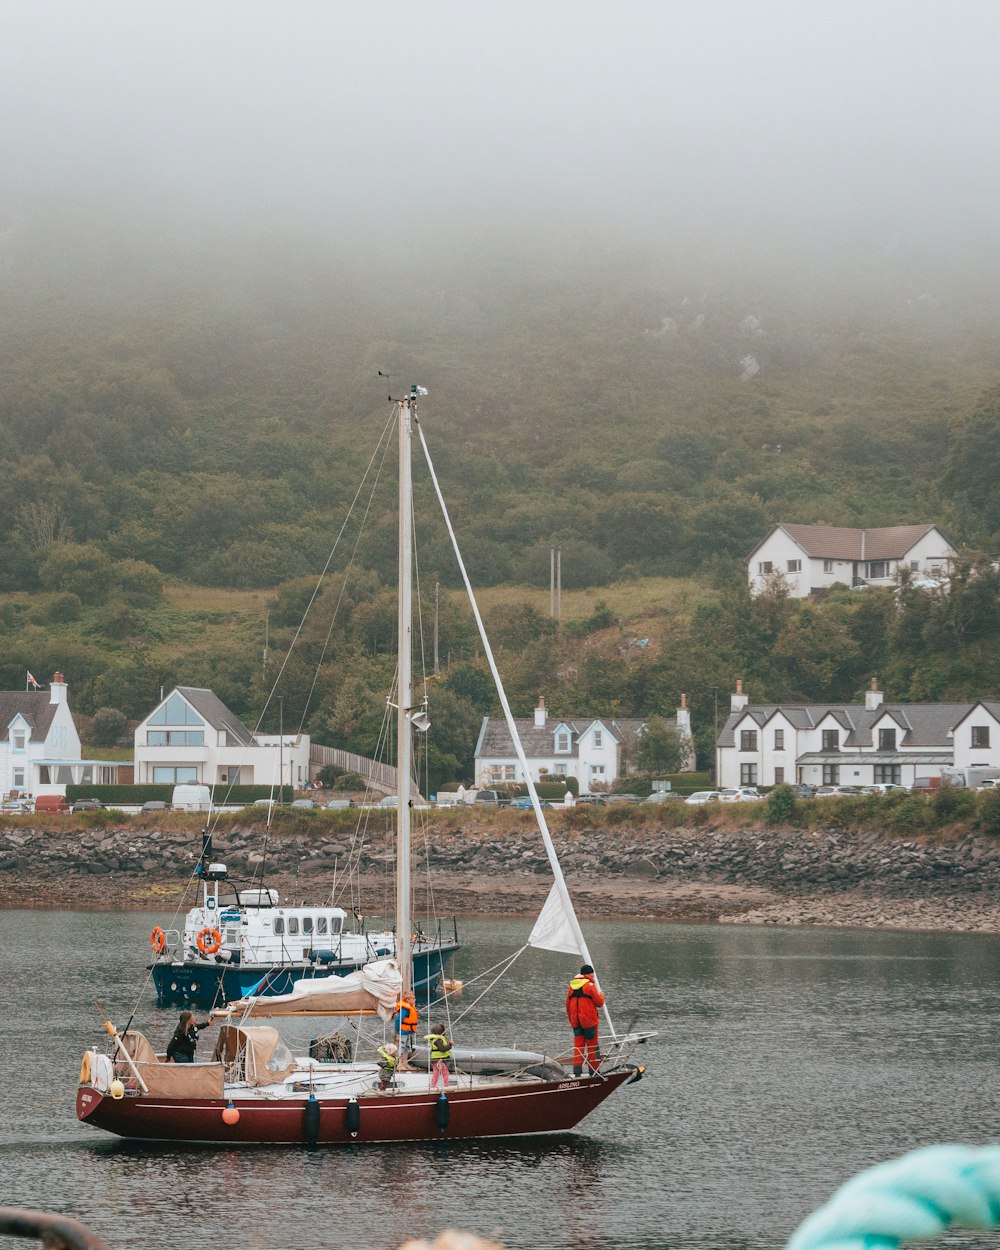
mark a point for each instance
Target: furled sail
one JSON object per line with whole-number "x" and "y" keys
{"x": 372, "y": 990}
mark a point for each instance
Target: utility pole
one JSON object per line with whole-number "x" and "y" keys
{"x": 558, "y": 589}
{"x": 437, "y": 614}
{"x": 552, "y": 581}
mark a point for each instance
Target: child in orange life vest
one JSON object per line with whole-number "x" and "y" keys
{"x": 406, "y": 1029}
{"x": 440, "y": 1044}
{"x": 582, "y": 1002}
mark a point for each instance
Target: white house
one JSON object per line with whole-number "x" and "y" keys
{"x": 40, "y": 749}
{"x": 815, "y": 557}
{"x": 594, "y": 751}
{"x": 853, "y": 744}
{"x": 192, "y": 736}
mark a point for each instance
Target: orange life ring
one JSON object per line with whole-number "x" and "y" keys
{"x": 208, "y": 941}
{"x": 158, "y": 940}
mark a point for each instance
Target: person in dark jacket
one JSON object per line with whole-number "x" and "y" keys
{"x": 181, "y": 1047}
{"x": 582, "y": 1002}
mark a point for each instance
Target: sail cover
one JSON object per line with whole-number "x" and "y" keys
{"x": 372, "y": 990}
{"x": 553, "y": 929}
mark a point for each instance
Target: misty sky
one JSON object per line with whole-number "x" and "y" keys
{"x": 627, "y": 118}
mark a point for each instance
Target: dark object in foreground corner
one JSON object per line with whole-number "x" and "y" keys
{"x": 56, "y": 1232}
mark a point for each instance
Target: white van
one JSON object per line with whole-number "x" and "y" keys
{"x": 191, "y": 798}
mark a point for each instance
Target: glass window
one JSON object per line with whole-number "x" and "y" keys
{"x": 878, "y": 568}
{"x": 888, "y": 773}
{"x": 598, "y": 739}
{"x": 748, "y": 739}
{"x": 795, "y": 566}
{"x": 18, "y": 739}
{"x": 335, "y": 923}
{"x": 176, "y": 711}
{"x": 831, "y": 774}
{"x": 779, "y": 739}
{"x": 307, "y": 924}
{"x": 293, "y": 924}
{"x": 64, "y": 775}
{"x": 17, "y": 778}
{"x": 831, "y": 739}
{"x": 175, "y": 775}
{"x": 321, "y": 924}
{"x": 748, "y": 774}
{"x": 43, "y": 775}
{"x": 562, "y": 742}
{"x": 887, "y": 739}
{"x": 827, "y": 566}
{"x": 765, "y": 567}
{"x": 86, "y": 774}
{"x": 980, "y": 735}
{"x": 561, "y": 770}
{"x": 279, "y": 926}
{"x": 779, "y": 776}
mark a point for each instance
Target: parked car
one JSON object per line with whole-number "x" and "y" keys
{"x": 704, "y": 796}
{"x": 881, "y": 787}
{"x": 339, "y": 805}
{"x": 523, "y": 802}
{"x": 623, "y": 798}
{"x": 661, "y": 796}
{"x": 824, "y": 792}
{"x": 390, "y": 800}
{"x": 87, "y": 805}
{"x": 154, "y": 805}
{"x": 51, "y": 803}
{"x": 925, "y": 785}
{"x": 598, "y": 800}
{"x": 304, "y": 804}
{"x": 492, "y": 798}
{"x": 740, "y": 794}
{"x": 804, "y": 791}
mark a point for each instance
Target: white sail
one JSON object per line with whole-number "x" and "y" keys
{"x": 554, "y": 930}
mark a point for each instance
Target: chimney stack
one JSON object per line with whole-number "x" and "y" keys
{"x": 738, "y": 700}
{"x": 873, "y": 696}
{"x": 540, "y": 714}
{"x": 57, "y": 689}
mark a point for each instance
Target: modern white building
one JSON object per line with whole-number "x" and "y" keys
{"x": 40, "y": 751}
{"x": 191, "y": 736}
{"x": 853, "y": 744}
{"x": 810, "y": 558}
{"x": 595, "y": 751}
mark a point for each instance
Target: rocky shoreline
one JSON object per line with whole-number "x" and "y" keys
{"x": 748, "y": 875}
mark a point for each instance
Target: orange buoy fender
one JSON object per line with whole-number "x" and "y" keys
{"x": 312, "y": 1120}
{"x": 208, "y": 940}
{"x": 231, "y": 1115}
{"x": 442, "y": 1112}
{"x": 352, "y": 1114}
{"x": 158, "y": 940}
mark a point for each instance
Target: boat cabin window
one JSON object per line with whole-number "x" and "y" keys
{"x": 279, "y": 925}
{"x": 335, "y": 924}
{"x": 293, "y": 924}
{"x": 321, "y": 924}
{"x": 307, "y": 924}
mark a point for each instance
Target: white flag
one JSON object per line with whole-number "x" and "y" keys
{"x": 553, "y": 930}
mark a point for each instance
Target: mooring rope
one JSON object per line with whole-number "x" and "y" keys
{"x": 916, "y": 1196}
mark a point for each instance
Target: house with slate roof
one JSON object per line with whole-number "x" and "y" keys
{"x": 811, "y": 558}
{"x": 596, "y": 751}
{"x": 191, "y": 736}
{"x": 40, "y": 749}
{"x": 853, "y": 744}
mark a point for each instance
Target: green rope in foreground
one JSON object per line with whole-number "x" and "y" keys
{"x": 916, "y": 1196}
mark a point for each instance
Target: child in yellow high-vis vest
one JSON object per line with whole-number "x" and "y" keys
{"x": 440, "y": 1044}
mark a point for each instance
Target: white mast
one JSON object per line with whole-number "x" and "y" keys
{"x": 407, "y": 413}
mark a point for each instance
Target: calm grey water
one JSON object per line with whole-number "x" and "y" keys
{"x": 786, "y": 1062}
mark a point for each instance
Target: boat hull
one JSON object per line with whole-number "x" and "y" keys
{"x": 205, "y": 983}
{"x": 498, "y": 1111}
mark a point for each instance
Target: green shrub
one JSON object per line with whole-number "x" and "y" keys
{"x": 913, "y": 815}
{"x": 951, "y": 803}
{"x": 988, "y": 810}
{"x": 780, "y": 805}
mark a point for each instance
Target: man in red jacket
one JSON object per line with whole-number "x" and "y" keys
{"x": 582, "y": 1003}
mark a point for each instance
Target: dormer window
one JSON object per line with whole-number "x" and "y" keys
{"x": 887, "y": 739}
{"x": 831, "y": 740}
{"x": 19, "y": 739}
{"x": 562, "y": 741}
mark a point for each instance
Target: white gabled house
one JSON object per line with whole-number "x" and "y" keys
{"x": 191, "y": 736}
{"x": 809, "y": 558}
{"x": 40, "y": 750}
{"x": 597, "y": 752}
{"x": 853, "y": 744}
